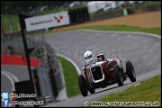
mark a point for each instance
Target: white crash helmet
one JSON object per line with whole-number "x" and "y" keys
{"x": 88, "y": 55}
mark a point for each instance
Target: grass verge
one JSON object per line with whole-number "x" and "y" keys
{"x": 107, "y": 28}
{"x": 119, "y": 28}
{"x": 148, "y": 91}
{"x": 70, "y": 76}
{"x": 10, "y": 23}
{"x": 127, "y": 28}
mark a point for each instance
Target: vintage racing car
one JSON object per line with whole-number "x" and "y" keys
{"x": 104, "y": 72}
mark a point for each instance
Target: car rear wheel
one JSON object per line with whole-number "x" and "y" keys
{"x": 130, "y": 71}
{"x": 82, "y": 85}
{"x": 119, "y": 78}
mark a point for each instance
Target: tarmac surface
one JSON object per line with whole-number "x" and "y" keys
{"x": 143, "y": 50}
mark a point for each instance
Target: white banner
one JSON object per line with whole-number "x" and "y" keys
{"x": 46, "y": 21}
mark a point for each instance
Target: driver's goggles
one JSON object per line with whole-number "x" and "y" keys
{"x": 88, "y": 57}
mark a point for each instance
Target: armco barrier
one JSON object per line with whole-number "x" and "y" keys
{"x": 18, "y": 60}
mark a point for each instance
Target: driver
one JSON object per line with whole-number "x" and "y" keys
{"x": 89, "y": 57}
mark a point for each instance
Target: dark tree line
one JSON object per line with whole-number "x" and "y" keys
{"x": 12, "y": 7}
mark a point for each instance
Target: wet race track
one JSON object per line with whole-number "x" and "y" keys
{"x": 143, "y": 50}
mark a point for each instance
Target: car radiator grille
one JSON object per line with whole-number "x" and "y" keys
{"x": 96, "y": 72}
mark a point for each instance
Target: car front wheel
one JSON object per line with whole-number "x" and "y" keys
{"x": 118, "y": 76}
{"x": 92, "y": 91}
{"x": 82, "y": 85}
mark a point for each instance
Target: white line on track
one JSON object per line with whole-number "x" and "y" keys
{"x": 11, "y": 77}
{"x": 140, "y": 33}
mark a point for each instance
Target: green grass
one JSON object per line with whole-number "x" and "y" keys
{"x": 7, "y": 20}
{"x": 124, "y": 28}
{"x": 114, "y": 28}
{"x": 70, "y": 75}
{"x": 146, "y": 91}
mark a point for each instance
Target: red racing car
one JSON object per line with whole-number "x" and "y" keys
{"x": 104, "y": 72}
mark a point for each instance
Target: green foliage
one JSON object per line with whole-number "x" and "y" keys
{"x": 146, "y": 91}
{"x": 70, "y": 75}
{"x": 125, "y": 28}
{"x": 117, "y": 28}
{"x": 8, "y": 21}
